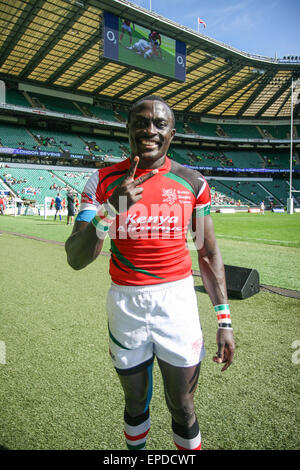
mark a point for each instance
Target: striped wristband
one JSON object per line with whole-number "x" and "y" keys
{"x": 104, "y": 218}
{"x": 223, "y": 315}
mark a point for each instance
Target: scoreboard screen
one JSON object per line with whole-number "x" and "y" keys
{"x": 132, "y": 44}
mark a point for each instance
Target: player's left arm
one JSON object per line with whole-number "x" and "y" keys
{"x": 213, "y": 277}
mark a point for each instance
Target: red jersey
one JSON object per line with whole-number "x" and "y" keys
{"x": 148, "y": 241}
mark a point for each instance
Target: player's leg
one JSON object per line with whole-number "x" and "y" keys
{"x": 179, "y": 349}
{"x": 137, "y": 389}
{"x": 180, "y": 384}
{"x": 132, "y": 356}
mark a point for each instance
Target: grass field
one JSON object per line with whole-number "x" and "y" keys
{"x": 58, "y": 387}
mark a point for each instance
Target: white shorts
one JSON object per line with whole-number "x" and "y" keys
{"x": 125, "y": 27}
{"x": 161, "y": 320}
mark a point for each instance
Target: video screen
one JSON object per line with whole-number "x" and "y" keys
{"x": 142, "y": 48}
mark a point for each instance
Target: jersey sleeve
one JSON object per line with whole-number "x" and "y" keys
{"x": 91, "y": 199}
{"x": 203, "y": 201}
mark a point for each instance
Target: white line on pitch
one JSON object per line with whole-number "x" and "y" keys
{"x": 2, "y": 353}
{"x": 261, "y": 239}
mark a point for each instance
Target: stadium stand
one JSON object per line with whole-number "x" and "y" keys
{"x": 74, "y": 179}
{"x": 16, "y": 136}
{"x": 276, "y": 158}
{"x": 38, "y": 183}
{"x": 17, "y": 98}
{"x": 241, "y": 131}
{"x": 204, "y": 128}
{"x": 101, "y": 113}
{"x": 278, "y": 189}
{"x": 56, "y": 104}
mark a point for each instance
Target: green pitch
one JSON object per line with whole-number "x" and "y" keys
{"x": 58, "y": 387}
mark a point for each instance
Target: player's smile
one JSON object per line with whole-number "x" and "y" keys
{"x": 150, "y": 133}
{"x": 148, "y": 144}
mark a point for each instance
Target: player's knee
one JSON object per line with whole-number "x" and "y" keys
{"x": 182, "y": 410}
{"x": 135, "y": 407}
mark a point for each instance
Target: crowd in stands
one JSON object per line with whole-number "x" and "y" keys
{"x": 220, "y": 158}
{"x": 77, "y": 175}
{"x": 274, "y": 162}
{"x": 219, "y": 199}
{"x": 9, "y": 179}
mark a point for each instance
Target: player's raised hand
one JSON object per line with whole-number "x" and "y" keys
{"x": 129, "y": 188}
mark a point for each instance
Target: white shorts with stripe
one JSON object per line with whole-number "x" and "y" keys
{"x": 157, "y": 320}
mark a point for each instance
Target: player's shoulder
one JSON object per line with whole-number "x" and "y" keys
{"x": 113, "y": 171}
{"x": 193, "y": 177}
{"x": 102, "y": 174}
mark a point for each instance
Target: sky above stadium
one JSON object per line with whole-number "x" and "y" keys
{"x": 263, "y": 27}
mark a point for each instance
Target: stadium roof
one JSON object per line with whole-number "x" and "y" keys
{"x": 57, "y": 44}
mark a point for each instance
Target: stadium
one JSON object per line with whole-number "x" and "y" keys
{"x": 69, "y": 73}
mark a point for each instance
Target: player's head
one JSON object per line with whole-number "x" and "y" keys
{"x": 151, "y": 130}
{"x": 151, "y": 98}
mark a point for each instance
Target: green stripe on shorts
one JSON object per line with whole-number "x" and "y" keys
{"x": 114, "y": 340}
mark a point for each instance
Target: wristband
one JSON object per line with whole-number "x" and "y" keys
{"x": 104, "y": 218}
{"x": 223, "y": 316}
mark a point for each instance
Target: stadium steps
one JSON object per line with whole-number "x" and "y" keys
{"x": 119, "y": 117}
{"x": 40, "y": 179}
{"x": 244, "y": 159}
{"x": 277, "y": 132}
{"x": 75, "y": 179}
{"x": 278, "y": 189}
{"x": 204, "y": 128}
{"x": 219, "y": 193}
{"x": 17, "y": 98}
{"x": 102, "y": 113}
{"x": 269, "y": 193}
{"x": 5, "y": 186}
{"x": 239, "y": 190}
{"x": 263, "y": 162}
{"x": 12, "y": 135}
{"x": 241, "y": 131}
{"x": 28, "y": 98}
{"x": 260, "y": 132}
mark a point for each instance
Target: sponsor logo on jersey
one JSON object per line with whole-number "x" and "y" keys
{"x": 169, "y": 195}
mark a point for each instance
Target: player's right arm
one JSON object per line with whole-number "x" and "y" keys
{"x": 83, "y": 246}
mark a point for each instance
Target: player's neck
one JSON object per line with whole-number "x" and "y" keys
{"x": 149, "y": 164}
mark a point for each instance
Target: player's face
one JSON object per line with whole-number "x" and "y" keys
{"x": 150, "y": 133}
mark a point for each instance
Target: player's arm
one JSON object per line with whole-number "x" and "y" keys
{"x": 213, "y": 277}
{"x": 210, "y": 261}
{"x": 83, "y": 246}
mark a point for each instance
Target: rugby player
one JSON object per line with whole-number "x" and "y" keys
{"x": 145, "y": 48}
{"x": 126, "y": 27}
{"x": 146, "y": 204}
